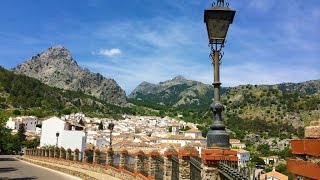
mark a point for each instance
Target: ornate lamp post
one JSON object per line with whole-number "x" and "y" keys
{"x": 217, "y": 19}
{"x": 57, "y": 135}
{"x": 110, "y": 127}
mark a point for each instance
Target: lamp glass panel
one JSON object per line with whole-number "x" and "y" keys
{"x": 217, "y": 28}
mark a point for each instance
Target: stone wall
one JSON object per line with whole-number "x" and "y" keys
{"x": 307, "y": 164}
{"x": 146, "y": 164}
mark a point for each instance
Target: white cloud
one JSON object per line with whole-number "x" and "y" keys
{"x": 109, "y": 52}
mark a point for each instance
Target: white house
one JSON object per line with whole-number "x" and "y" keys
{"x": 199, "y": 142}
{"x": 70, "y": 135}
{"x": 270, "y": 159}
{"x": 243, "y": 157}
{"x": 236, "y": 143}
{"x": 193, "y": 132}
{"x": 30, "y": 123}
{"x": 175, "y": 129}
{"x": 273, "y": 175}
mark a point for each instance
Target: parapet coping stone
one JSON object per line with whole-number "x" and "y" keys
{"x": 82, "y": 173}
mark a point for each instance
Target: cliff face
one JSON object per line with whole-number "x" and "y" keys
{"x": 57, "y": 68}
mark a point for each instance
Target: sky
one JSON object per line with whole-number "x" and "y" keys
{"x": 269, "y": 42}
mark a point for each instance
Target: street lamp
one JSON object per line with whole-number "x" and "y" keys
{"x": 57, "y": 135}
{"x": 217, "y": 19}
{"x": 110, "y": 127}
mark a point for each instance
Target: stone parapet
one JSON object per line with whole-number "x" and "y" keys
{"x": 109, "y": 160}
{"x": 51, "y": 152}
{"x": 62, "y": 153}
{"x": 152, "y": 162}
{"x": 96, "y": 156}
{"x": 123, "y": 158}
{"x": 56, "y": 153}
{"x": 139, "y": 161}
{"x": 209, "y": 173}
{"x": 76, "y": 155}
{"x": 167, "y": 166}
{"x": 307, "y": 163}
{"x": 306, "y": 147}
{"x": 85, "y": 155}
{"x": 144, "y": 165}
{"x": 304, "y": 168}
{"x": 184, "y": 158}
{"x": 211, "y": 157}
{"x": 68, "y": 154}
{"x": 46, "y": 152}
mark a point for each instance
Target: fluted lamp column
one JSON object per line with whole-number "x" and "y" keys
{"x": 217, "y": 19}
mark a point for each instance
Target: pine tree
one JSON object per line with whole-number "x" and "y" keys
{"x": 100, "y": 126}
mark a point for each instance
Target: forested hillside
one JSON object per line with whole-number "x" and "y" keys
{"x": 20, "y": 94}
{"x": 261, "y": 109}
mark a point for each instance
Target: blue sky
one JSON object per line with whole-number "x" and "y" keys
{"x": 270, "y": 41}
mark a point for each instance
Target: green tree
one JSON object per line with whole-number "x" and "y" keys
{"x": 257, "y": 160}
{"x": 16, "y": 112}
{"x": 81, "y": 122}
{"x": 100, "y": 126}
{"x": 264, "y": 149}
{"x": 32, "y": 143}
{"x": 21, "y": 133}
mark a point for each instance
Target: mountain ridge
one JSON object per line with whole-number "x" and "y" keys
{"x": 56, "y": 67}
{"x": 293, "y": 103}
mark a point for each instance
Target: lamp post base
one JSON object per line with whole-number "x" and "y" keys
{"x": 218, "y": 139}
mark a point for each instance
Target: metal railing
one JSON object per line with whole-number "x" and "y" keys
{"x": 231, "y": 171}
{"x": 159, "y": 171}
{"x": 175, "y": 168}
{"x": 195, "y": 168}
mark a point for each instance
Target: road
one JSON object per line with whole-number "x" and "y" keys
{"x": 13, "y": 169}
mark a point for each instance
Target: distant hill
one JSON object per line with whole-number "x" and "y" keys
{"x": 56, "y": 67}
{"x": 177, "y": 92}
{"x": 292, "y": 103}
{"x": 30, "y": 96}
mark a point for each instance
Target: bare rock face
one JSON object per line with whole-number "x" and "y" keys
{"x": 57, "y": 68}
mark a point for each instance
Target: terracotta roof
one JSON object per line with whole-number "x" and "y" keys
{"x": 174, "y": 145}
{"x": 235, "y": 141}
{"x": 241, "y": 150}
{"x": 182, "y": 137}
{"x": 270, "y": 157}
{"x": 193, "y": 130}
{"x": 274, "y": 174}
{"x": 274, "y": 157}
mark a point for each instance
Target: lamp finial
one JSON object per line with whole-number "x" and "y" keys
{"x": 220, "y": 3}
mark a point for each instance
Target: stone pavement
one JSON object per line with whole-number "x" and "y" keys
{"x": 82, "y": 173}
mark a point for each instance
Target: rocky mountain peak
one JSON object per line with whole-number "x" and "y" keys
{"x": 57, "y": 68}
{"x": 58, "y": 53}
{"x": 179, "y": 78}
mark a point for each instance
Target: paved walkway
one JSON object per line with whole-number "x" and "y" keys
{"x": 11, "y": 168}
{"x": 94, "y": 175}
